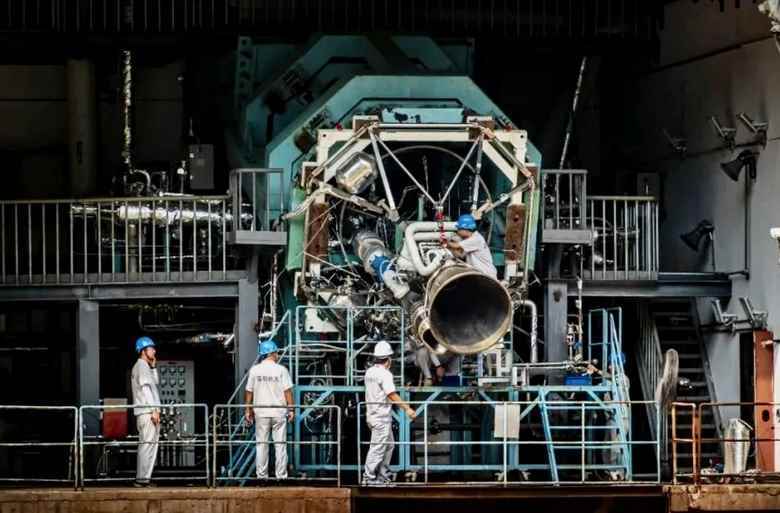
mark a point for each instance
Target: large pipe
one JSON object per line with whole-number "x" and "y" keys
{"x": 534, "y": 328}
{"x": 469, "y": 311}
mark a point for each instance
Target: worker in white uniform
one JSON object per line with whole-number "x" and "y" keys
{"x": 269, "y": 385}
{"x": 472, "y": 246}
{"x": 145, "y": 382}
{"x": 380, "y": 397}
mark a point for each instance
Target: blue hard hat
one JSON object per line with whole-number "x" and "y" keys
{"x": 267, "y": 347}
{"x": 466, "y": 222}
{"x": 142, "y": 343}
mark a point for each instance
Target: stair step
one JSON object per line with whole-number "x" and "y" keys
{"x": 688, "y": 356}
{"x": 686, "y": 412}
{"x": 669, "y": 313}
{"x": 692, "y": 370}
{"x": 676, "y": 328}
{"x": 687, "y": 342}
{"x": 694, "y": 398}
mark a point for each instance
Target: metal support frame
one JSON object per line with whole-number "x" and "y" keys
{"x": 247, "y": 308}
{"x": 88, "y": 346}
{"x": 555, "y": 319}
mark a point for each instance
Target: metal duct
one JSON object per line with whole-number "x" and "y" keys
{"x": 469, "y": 312}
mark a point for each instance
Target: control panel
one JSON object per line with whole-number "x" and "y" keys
{"x": 177, "y": 386}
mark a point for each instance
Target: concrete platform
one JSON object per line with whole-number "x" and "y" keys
{"x": 753, "y": 497}
{"x": 177, "y": 500}
{"x": 399, "y": 499}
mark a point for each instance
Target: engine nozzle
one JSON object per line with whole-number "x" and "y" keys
{"x": 468, "y": 311}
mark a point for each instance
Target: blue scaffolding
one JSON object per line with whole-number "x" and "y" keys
{"x": 565, "y": 433}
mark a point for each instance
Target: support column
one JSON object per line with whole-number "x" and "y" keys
{"x": 88, "y": 363}
{"x": 555, "y": 317}
{"x": 246, "y": 319}
{"x": 82, "y": 126}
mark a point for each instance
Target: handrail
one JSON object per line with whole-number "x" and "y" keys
{"x": 649, "y": 356}
{"x": 583, "y": 445}
{"x": 116, "y": 199}
{"x": 73, "y": 444}
{"x": 197, "y": 439}
{"x": 248, "y": 444}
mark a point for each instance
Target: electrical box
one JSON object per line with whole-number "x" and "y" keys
{"x": 200, "y": 158}
{"x": 113, "y": 422}
{"x": 177, "y": 386}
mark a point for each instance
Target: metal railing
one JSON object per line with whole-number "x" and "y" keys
{"x": 692, "y": 441}
{"x": 241, "y": 460}
{"x": 178, "y": 448}
{"x": 258, "y": 193}
{"x": 9, "y": 466}
{"x": 115, "y": 240}
{"x": 565, "y": 199}
{"x": 626, "y": 247}
{"x": 751, "y": 456}
{"x": 343, "y": 341}
{"x": 650, "y": 362}
{"x": 584, "y": 455}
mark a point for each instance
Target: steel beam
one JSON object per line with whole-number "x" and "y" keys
{"x": 88, "y": 364}
{"x": 668, "y": 285}
{"x": 119, "y": 292}
{"x": 555, "y": 317}
{"x": 247, "y": 308}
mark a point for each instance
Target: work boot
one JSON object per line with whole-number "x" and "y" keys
{"x": 427, "y": 382}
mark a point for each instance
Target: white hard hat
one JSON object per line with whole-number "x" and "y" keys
{"x": 382, "y": 350}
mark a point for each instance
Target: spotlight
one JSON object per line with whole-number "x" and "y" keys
{"x": 746, "y": 159}
{"x": 693, "y": 238}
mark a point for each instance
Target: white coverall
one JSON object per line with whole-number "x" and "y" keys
{"x": 145, "y": 382}
{"x": 379, "y": 384}
{"x": 268, "y": 382}
{"x": 478, "y": 254}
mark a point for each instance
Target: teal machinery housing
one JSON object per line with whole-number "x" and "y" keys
{"x": 357, "y": 153}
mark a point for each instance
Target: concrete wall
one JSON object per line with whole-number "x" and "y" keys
{"x": 721, "y": 64}
{"x": 33, "y": 132}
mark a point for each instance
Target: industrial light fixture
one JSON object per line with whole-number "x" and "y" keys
{"x": 775, "y": 234}
{"x": 693, "y": 238}
{"x": 726, "y": 134}
{"x": 746, "y": 159}
{"x": 678, "y": 144}
{"x": 754, "y": 319}
{"x": 758, "y": 128}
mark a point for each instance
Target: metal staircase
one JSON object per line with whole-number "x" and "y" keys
{"x": 674, "y": 325}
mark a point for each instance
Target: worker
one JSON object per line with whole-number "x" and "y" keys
{"x": 447, "y": 368}
{"x": 472, "y": 246}
{"x": 419, "y": 355}
{"x": 380, "y": 397}
{"x": 269, "y": 385}
{"x": 145, "y": 384}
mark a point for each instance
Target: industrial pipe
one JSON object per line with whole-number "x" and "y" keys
{"x": 377, "y": 261}
{"x": 534, "y": 328}
{"x": 469, "y": 311}
{"x": 411, "y": 245}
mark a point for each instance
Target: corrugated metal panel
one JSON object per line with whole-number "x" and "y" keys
{"x": 526, "y": 19}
